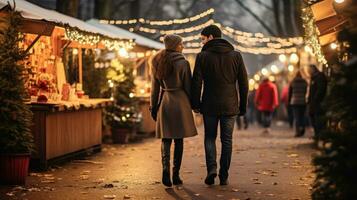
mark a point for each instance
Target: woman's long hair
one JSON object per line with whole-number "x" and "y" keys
{"x": 163, "y": 64}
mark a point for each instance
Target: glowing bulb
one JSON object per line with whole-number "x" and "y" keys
{"x": 333, "y": 46}
{"x": 291, "y": 68}
{"x": 264, "y": 71}
{"x": 282, "y": 58}
{"x": 75, "y": 51}
{"x": 123, "y": 52}
{"x": 251, "y": 82}
{"x": 274, "y": 69}
{"x": 131, "y": 95}
{"x": 272, "y": 78}
{"x": 308, "y": 49}
{"x": 257, "y": 77}
{"x": 142, "y": 91}
{"x": 339, "y": 1}
{"x": 294, "y": 58}
{"x": 111, "y": 84}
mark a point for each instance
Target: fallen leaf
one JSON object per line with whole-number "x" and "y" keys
{"x": 109, "y": 196}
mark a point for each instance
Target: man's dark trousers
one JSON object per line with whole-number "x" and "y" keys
{"x": 226, "y": 126}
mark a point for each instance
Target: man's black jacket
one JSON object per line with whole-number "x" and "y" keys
{"x": 219, "y": 67}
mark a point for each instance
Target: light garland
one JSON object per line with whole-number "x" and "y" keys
{"x": 160, "y": 22}
{"x": 312, "y": 34}
{"x": 86, "y": 38}
{"x": 174, "y": 31}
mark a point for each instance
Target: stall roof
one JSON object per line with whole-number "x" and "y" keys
{"x": 32, "y": 11}
{"x": 140, "y": 40}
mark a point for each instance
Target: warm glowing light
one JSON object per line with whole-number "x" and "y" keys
{"x": 291, "y": 68}
{"x": 274, "y": 69}
{"x": 75, "y": 51}
{"x": 142, "y": 91}
{"x": 339, "y": 1}
{"x": 264, "y": 71}
{"x": 282, "y": 58}
{"x": 272, "y": 78}
{"x": 251, "y": 82}
{"x": 308, "y": 49}
{"x": 131, "y": 95}
{"x": 123, "y": 53}
{"x": 294, "y": 58}
{"x": 333, "y": 46}
{"x": 256, "y": 77}
{"x": 111, "y": 84}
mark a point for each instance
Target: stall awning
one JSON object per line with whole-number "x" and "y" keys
{"x": 31, "y": 11}
{"x": 139, "y": 40}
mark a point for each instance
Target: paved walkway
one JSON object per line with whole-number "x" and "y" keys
{"x": 275, "y": 166}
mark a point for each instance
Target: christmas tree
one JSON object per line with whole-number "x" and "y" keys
{"x": 94, "y": 80}
{"x": 336, "y": 163}
{"x": 15, "y": 116}
{"x": 124, "y": 112}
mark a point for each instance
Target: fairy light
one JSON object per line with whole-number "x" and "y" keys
{"x": 176, "y": 31}
{"x": 256, "y": 77}
{"x": 333, "y": 46}
{"x": 291, "y": 68}
{"x": 85, "y": 39}
{"x": 264, "y": 71}
{"x": 311, "y": 36}
{"x": 160, "y": 22}
{"x": 294, "y": 58}
{"x": 282, "y": 58}
{"x": 274, "y": 69}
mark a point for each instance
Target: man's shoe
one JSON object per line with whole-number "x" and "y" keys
{"x": 223, "y": 181}
{"x": 176, "y": 180}
{"x": 210, "y": 179}
{"x": 166, "y": 179}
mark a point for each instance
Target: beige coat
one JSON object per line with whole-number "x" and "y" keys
{"x": 174, "y": 117}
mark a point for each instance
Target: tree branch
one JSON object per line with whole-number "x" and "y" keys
{"x": 263, "y": 4}
{"x": 265, "y": 26}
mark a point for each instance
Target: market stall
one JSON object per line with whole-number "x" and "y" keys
{"x": 66, "y": 121}
{"x": 141, "y": 54}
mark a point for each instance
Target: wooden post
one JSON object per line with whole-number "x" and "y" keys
{"x": 80, "y": 70}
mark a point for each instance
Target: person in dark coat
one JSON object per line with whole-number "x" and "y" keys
{"x": 219, "y": 68}
{"x": 317, "y": 93}
{"x": 171, "y": 108}
{"x": 297, "y": 100}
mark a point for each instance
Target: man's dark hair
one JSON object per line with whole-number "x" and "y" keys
{"x": 213, "y": 30}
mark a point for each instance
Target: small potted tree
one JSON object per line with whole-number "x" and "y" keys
{"x": 16, "y": 141}
{"x": 123, "y": 115}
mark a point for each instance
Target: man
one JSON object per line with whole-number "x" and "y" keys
{"x": 317, "y": 93}
{"x": 219, "y": 67}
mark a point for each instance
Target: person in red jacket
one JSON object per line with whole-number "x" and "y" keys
{"x": 266, "y": 100}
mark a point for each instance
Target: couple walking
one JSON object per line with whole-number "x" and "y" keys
{"x": 175, "y": 93}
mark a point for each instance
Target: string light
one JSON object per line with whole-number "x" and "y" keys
{"x": 282, "y": 58}
{"x": 291, "y": 68}
{"x": 311, "y": 36}
{"x": 333, "y": 46}
{"x": 86, "y": 38}
{"x": 175, "y": 31}
{"x": 160, "y": 22}
{"x": 80, "y": 37}
{"x": 294, "y": 58}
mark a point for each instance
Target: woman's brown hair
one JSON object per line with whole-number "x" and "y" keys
{"x": 163, "y": 64}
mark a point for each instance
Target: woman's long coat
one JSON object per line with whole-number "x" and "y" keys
{"x": 174, "y": 117}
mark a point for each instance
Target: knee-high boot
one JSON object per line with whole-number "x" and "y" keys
{"x": 177, "y": 162}
{"x": 165, "y": 157}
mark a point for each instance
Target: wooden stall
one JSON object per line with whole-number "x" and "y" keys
{"x": 66, "y": 122}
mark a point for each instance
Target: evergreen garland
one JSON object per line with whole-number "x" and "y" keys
{"x": 336, "y": 163}
{"x": 15, "y": 115}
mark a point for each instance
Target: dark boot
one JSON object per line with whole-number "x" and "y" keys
{"x": 165, "y": 156}
{"x": 176, "y": 180}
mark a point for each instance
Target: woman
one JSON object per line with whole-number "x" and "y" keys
{"x": 297, "y": 99}
{"x": 170, "y": 105}
{"x": 266, "y": 100}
